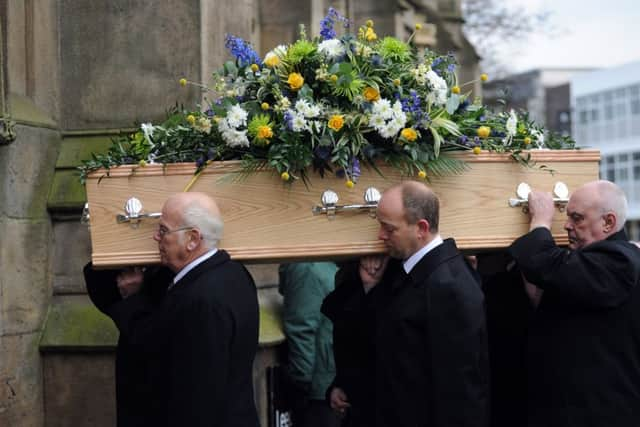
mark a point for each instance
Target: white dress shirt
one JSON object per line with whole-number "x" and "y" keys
{"x": 415, "y": 258}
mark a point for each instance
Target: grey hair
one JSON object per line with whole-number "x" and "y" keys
{"x": 210, "y": 226}
{"x": 613, "y": 199}
{"x": 420, "y": 203}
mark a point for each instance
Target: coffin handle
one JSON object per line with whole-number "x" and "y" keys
{"x": 560, "y": 199}
{"x": 133, "y": 213}
{"x": 330, "y": 205}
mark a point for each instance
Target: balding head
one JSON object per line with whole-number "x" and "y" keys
{"x": 595, "y": 211}
{"x": 200, "y": 211}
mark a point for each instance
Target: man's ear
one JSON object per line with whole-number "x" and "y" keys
{"x": 610, "y": 222}
{"x": 424, "y": 227}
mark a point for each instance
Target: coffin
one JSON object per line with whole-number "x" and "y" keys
{"x": 267, "y": 220}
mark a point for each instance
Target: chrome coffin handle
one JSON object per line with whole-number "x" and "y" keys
{"x": 85, "y": 219}
{"x": 134, "y": 214}
{"x": 330, "y": 205}
{"x": 560, "y": 199}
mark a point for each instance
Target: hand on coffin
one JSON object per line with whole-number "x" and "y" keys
{"x": 541, "y": 209}
{"x": 372, "y": 269}
{"x": 338, "y": 400}
{"x": 130, "y": 281}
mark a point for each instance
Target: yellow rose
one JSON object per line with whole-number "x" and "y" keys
{"x": 295, "y": 81}
{"x": 370, "y": 35}
{"x": 265, "y": 132}
{"x": 476, "y": 150}
{"x": 455, "y": 89}
{"x": 336, "y": 122}
{"x": 191, "y": 119}
{"x": 409, "y": 134}
{"x": 422, "y": 174}
{"x": 271, "y": 60}
{"x": 484, "y": 131}
{"x": 284, "y": 176}
{"x": 371, "y": 94}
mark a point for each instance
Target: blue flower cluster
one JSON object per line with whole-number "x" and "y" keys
{"x": 327, "y": 23}
{"x": 242, "y": 51}
{"x": 413, "y": 105}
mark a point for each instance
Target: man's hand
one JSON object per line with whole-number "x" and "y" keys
{"x": 338, "y": 400}
{"x": 541, "y": 210}
{"x": 372, "y": 269}
{"x": 130, "y": 281}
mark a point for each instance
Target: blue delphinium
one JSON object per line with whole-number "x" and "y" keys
{"x": 242, "y": 51}
{"x": 327, "y": 23}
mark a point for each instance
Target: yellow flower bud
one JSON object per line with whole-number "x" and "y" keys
{"x": 191, "y": 119}
{"x": 396, "y": 82}
{"x": 484, "y": 131}
{"x": 264, "y": 105}
{"x": 422, "y": 174}
{"x": 527, "y": 140}
{"x": 370, "y": 35}
{"x": 455, "y": 89}
{"x": 484, "y": 77}
{"x": 142, "y": 163}
{"x": 476, "y": 150}
{"x": 371, "y": 94}
{"x": 255, "y": 68}
{"x": 349, "y": 184}
{"x": 334, "y": 78}
{"x": 183, "y": 82}
{"x": 284, "y": 176}
{"x": 418, "y": 27}
{"x": 369, "y": 23}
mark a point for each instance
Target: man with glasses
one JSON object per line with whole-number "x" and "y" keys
{"x": 201, "y": 340}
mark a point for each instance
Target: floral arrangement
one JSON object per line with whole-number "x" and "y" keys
{"x": 330, "y": 104}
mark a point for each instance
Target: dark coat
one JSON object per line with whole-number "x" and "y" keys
{"x": 353, "y": 314}
{"x": 584, "y": 342}
{"x": 133, "y": 379}
{"x": 432, "y": 359}
{"x": 200, "y": 343}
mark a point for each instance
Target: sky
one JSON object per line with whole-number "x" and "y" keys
{"x": 592, "y": 33}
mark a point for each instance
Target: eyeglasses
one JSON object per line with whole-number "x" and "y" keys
{"x": 163, "y": 231}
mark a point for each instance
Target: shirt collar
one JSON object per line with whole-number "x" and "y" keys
{"x": 411, "y": 262}
{"x": 193, "y": 264}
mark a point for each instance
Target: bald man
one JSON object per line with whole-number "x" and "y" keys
{"x": 584, "y": 341}
{"x": 432, "y": 365}
{"x": 202, "y": 339}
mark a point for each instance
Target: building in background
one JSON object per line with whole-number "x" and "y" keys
{"x": 543, "y": 92}
{"x": 606, "y": 107}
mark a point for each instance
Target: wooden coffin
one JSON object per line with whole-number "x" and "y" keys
{"x": 267, "y": 220}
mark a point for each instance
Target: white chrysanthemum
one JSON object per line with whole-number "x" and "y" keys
{"x": 438, "y": 86}
{"x": 539, "y": 137}
{"x": 147, "y": 130}
{"x": 233, "y": 137}
{"x": 298, "y": 123}
{"x": 280, "y": 51}
{"x": 332, "y": 48}
{"x": 236, "y": 117}
{"x": 382, "y": 107}
{"x": 387, "y": 120}
{"x": 307, "y": 109}
{"x": 377, "y": 121}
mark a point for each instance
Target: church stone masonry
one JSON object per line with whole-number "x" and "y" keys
{"x": 74, "y": 74}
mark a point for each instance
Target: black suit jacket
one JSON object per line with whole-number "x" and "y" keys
{"x": 134, "y": 397}
{"x": 584, "y": 341}
{"x": 432, "y": 359}
{"x": 201, "y": 343}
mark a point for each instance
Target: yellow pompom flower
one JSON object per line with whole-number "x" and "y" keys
{"x": 370, "y": 35}
{"x": 271, "y": 60}
{"x": 255, "y": 68}
{"x": 349, "y": 184}
{"x": 295, "y": 81}
{"x": 369, "y": 23}
{"x": 455, "y": 89}
{"x": 142, "y": 163}
{"x": 264, "y": 105}
{"x": 418, "y": 27}
{"x": 333, "y": 78}
{"x": 183, "y": 82}
{"x": 396, "y": 82}
{"x": 484, "y": 131}
{"x": 476, "y": 150}
{"x": 371, "y": 94}
{"x": 265, "y": 132}
{"x": 527, "y": 140}
{"x": 191, "y": 119}
{"x": 336, "y": 122}
{"x": 484, "y": 77}
{"x": 284, "y": 176}
{"x": 409, "y": 134}
{"x": 422, "y": 175}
